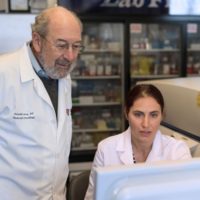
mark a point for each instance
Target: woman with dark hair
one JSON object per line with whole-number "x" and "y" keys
{"x": 142, "y": 141}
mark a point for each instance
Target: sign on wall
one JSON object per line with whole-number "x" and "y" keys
{"x": 117, "y": 6}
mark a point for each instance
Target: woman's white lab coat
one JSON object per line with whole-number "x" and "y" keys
{"x": 34, "y": 147}
{"x": 117, "y": 150}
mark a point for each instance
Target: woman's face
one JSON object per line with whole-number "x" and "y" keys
{"x": 144, "y": 119}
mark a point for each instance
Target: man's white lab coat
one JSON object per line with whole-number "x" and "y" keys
{"x": 34, "y": 145}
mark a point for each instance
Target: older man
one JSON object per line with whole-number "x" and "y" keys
{"x": 35, "y": 105}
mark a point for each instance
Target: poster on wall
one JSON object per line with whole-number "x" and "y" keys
{"x": 18, "y": 5}
{"x": 144, "y": 7}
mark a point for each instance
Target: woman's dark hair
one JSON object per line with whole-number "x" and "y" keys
{"x": 143, "y": 90}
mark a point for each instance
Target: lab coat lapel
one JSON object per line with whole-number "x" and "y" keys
{"x": 27, "y": 73}
{"x": 157, "y": 149}
{"x": 124, "y": 148}
{"x": 40, "y": 89}
{"x": 64, "y": 101}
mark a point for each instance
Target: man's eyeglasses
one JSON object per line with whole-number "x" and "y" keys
{"x": 62, "y": 45}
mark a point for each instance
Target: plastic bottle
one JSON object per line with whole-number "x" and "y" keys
{"x": 166, "y": 65}
{"x": 190, "y": 66}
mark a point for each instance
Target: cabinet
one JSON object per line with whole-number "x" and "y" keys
{"x": 97, "y": 87}
{"x": 193, "y": 49}
{"x": 120, "y": 50}
{"x": 155, "y": 50}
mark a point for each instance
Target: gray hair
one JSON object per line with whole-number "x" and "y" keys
{"x": 42, "y": 20}
{"x": 41, "y": 24}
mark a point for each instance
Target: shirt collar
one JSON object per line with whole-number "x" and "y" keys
{"x": 35, "y": 63}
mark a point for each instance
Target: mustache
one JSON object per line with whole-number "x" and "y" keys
{"x": 63, "y": 62}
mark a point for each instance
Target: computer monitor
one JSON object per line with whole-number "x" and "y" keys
{"x": 176, "y": 180}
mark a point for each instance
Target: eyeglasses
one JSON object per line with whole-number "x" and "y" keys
{"x": 62, "y": 45}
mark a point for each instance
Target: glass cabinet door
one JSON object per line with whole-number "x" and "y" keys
{"x": 97, "y": 86}
{"x": 155, "y": 51}
{"x": 193, "y": 50}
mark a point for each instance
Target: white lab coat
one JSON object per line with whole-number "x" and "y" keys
{"x": 117, "y": 150}
{"x": 34, "y": 148}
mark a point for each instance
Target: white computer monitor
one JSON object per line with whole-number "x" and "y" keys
{"x": 177, "y": 180}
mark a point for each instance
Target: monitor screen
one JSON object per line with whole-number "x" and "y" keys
{"x": 175, "y": 180}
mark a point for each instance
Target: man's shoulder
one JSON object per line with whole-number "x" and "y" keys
{"x": 9, "y": 58}
{"x": 10, "y": 61}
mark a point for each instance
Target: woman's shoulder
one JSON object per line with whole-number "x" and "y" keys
{"x": 169, "y": 141}
{"x": 175, "y": 149}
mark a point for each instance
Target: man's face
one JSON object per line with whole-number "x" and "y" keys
{"x": 58, "y": 50}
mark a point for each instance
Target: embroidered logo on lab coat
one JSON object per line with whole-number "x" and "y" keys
{"x": 23, "y": 115}
{"x": 68, "y": 112}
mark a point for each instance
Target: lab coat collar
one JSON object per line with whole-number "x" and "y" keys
{"x": 64, "y": 91}
{"x": 26, "y": 69}
{"x": 27, "y": 72}
{"x": 124, "y": 148}
{"x": 157, "y": 148}
{"x": 38, "y": 69}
